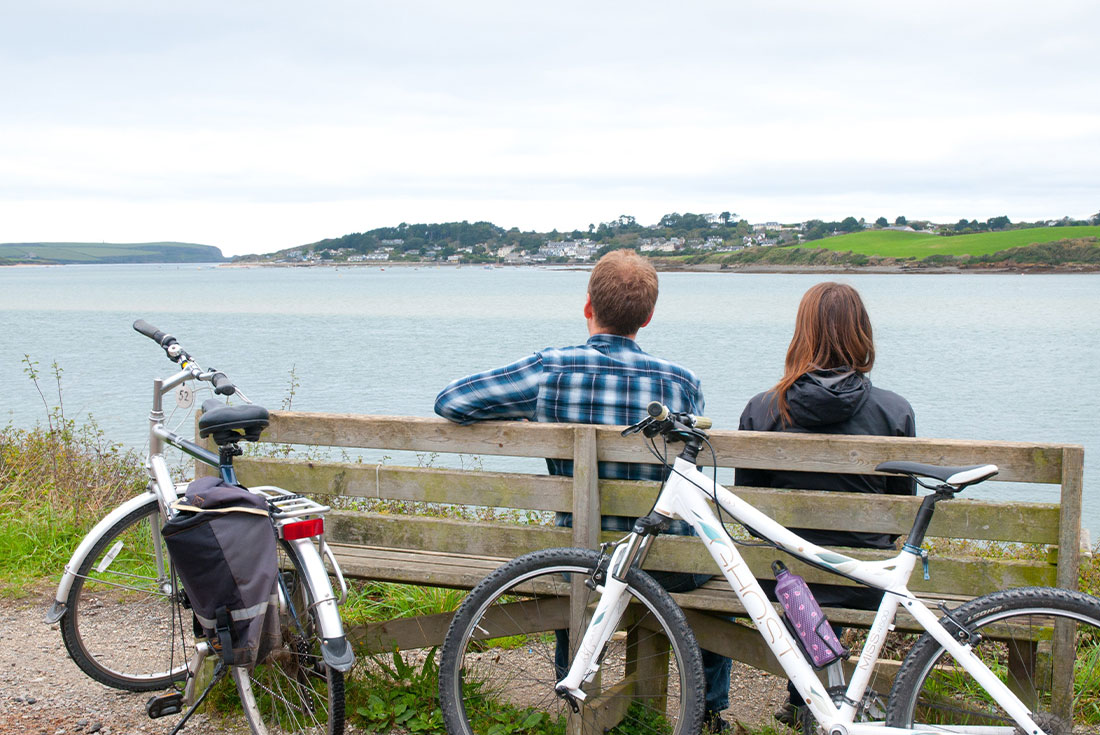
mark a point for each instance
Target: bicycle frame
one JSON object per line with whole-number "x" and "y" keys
{"x": 685, "y": 496}
{"x": 164, "y": 492}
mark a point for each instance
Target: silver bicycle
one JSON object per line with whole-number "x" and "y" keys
{"x": 1016, "y": 661}
{"x": 125, "y": 619}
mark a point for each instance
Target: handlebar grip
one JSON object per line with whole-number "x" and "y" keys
{"x": 657, "y": 410}
{"x": 703, "y": 423}
{"x": 161, "y": 338}
{"x": 222, "y": 385}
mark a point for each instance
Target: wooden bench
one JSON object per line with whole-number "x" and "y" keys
{"x": 457, "y": 552}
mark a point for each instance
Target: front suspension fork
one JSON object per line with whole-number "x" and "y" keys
{"x": 605, "y": 619}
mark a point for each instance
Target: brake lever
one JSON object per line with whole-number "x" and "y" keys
{"x": 637, "y": 427}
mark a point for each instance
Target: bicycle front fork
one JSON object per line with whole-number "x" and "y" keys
{"x": 605, "y": 619}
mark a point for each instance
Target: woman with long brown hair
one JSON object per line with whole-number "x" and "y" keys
{"x": 825, "y": 389}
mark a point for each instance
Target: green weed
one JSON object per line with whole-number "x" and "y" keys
{"x": 375, "y": 601}
{"x": 56, "y": 481}
{"x": 384, "y": 696}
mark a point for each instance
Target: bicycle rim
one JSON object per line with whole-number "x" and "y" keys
{"x": 1043, "y": 644}
{"x": 499, "y": 663}
{"x": 124, "y": 624}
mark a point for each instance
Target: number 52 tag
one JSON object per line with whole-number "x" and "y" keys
{"x": 185, "y": 397}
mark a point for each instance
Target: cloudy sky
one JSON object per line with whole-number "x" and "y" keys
{"x": 256, "y": 126}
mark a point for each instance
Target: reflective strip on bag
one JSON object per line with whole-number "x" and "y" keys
{"x": 237, "y": 616}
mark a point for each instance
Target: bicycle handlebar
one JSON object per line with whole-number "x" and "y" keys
{"x": 223, "y": 386}
{"x": 662, "y": 421}
{"x": 161, "y": 338}
{"x": 659, "y": 412}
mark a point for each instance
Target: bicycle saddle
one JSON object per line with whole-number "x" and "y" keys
{"x": 958, "y": 476}
{"x": 230, "y": 424}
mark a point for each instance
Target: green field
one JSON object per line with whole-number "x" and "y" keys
{"x": 894, "y": 244}
{"x": 88, "y": 252}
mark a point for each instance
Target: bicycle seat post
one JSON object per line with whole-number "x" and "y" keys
{"x": 924, "y": 517}
{"x": 226, "y": 453}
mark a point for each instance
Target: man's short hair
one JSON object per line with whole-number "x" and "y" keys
{"x": 623, "y": 291}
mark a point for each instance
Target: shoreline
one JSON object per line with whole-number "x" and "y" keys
{"x": 666, "y": 267}
{"x": 874, "y": 269}
{"x": 660, "y": 265}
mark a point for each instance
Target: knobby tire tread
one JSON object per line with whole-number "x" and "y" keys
{"x": 640, "y": 584}
{"x": 911, "y": 675}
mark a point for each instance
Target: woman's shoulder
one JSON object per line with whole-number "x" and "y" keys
{"x": 890, "y": 400}
{"x": 895, "y": 414}
{"x": 759, "y": 413}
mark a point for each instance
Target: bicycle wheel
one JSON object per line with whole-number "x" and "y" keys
{"x": 1033, "y": 639}
{"x": 501, "y": 658}
{"x": 293, "y": 690}
{"x": 124, "y": 623}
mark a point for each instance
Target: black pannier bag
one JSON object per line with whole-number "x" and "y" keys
{"x": 222, "y": 545}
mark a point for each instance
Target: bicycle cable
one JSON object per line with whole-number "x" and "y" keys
{"x": 712, "y": 494}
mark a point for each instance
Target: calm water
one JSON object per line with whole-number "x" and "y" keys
{"x": 979, "y": 356}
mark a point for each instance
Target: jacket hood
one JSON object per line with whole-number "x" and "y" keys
{"x": 827, "y": 397}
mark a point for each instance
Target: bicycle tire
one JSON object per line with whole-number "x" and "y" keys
{"x": 1017, "y": 628}
{"x": 124, "y": 624}
{"x": 294, "y": 690}
{"x": 490, "y": 673}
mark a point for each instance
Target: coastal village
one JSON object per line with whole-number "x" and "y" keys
{"x": 674, "y": 234}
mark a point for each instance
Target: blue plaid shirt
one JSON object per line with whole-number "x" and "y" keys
{"x": 608, "y": 380}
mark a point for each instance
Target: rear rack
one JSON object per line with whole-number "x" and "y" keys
{"x": 287, "y": 504}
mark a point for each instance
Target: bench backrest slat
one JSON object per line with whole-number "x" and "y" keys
{"x": 1053, "y": 525}
{"x": 504, "y": 541}
{"x": 962, "y": 518}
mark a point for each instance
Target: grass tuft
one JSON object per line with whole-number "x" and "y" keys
{"x": 55, "y": 483}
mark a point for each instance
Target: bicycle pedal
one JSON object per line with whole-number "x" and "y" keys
{"x": 164, "y": 704}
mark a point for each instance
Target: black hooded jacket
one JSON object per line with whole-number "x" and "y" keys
{"x": 833, "y": 402}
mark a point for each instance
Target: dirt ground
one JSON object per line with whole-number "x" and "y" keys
{"x": 43, "y": 693}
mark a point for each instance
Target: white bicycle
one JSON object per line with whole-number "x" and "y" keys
{"x": 1016, "y": 661}
{"x": 125, "y": 618}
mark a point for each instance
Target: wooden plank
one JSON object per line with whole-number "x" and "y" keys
{"x": 442, "y": 534}
{"x": 429, "y": 630}
{"x": 961, "y": 518}
{"x": 948, "y": 574}
{"x": 415, "y": 434}
{"x": 464, "y": 572}
{"x": 1070, "y": 539}
{"x": 400, "y": 634}
{"x": 586, "y": 490}
{"x": 586, "y": 527}
{"x": 975, "y": 575}
{"x": 428, "y": 484}
{"x": 1018, "y": 461}
{"x": 1068, "y": 570}
{"x": 415, "y": 567}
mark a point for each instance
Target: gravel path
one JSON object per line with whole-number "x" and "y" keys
{"x": 43, "y": 693}
{"x": 42, "y": 690}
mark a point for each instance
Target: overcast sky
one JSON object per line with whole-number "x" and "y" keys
{"x": 256, "y": 126}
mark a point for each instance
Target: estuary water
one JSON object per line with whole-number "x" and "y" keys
{"x": 1009, "y": 357}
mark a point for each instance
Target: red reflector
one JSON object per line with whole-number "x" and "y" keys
{"x": 304, "y": 529}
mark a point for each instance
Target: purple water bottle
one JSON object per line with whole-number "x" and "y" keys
{"x": 805, "y": 618}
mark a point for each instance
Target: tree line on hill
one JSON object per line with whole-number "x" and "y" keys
{"x": 691, "y": 233}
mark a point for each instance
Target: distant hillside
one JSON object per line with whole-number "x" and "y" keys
{"x": 900, "y": 244}
{"x": 49, "y": 253}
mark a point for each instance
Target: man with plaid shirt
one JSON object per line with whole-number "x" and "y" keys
{"x": 607, "y": 380}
